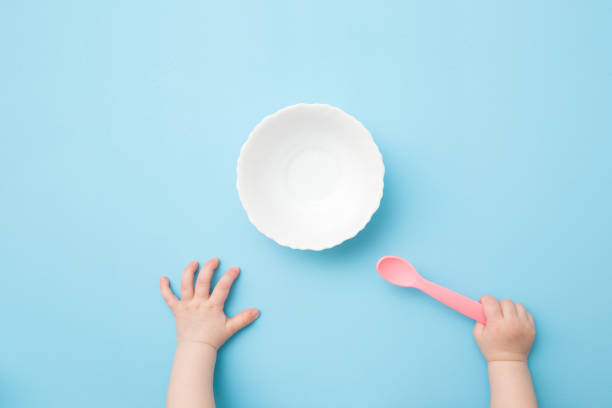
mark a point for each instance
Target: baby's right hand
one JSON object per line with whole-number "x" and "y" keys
{"x": 509, "y": 332}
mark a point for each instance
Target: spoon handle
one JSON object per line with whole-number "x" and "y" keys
{"x": 454, "y": 300}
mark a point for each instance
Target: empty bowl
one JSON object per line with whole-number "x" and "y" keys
{"x": 310, "y": 176}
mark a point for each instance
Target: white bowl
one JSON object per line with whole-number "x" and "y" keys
{"x": 310, "y": 176}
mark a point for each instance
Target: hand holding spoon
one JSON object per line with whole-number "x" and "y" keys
{"x": 400, "y": 272}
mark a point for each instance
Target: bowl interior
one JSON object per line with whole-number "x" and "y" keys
{"x": 310, "y": 176}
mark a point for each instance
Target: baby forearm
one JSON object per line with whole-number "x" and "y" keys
{"x": 191, "y": 381}
{"x": 511, "y": 385}
{"x": 201, "y": 328}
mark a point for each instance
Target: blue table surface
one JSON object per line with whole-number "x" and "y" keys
{"x": 120, "y": 126}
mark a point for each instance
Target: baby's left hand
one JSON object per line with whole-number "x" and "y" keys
{"x": 199, "y": 314}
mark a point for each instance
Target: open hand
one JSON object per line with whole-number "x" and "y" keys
{"x": 199, "y": 314}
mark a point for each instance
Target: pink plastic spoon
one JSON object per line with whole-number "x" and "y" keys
{"x": 400, "y": 272}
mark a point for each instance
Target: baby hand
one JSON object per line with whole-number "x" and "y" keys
{"x": 509, "y": 332}
{"x": 199, "y": 314}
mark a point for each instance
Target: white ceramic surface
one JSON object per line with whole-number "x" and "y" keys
{"x": 310, "y": 176}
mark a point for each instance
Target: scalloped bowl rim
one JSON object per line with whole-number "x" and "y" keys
{"x": 358, "y": 226}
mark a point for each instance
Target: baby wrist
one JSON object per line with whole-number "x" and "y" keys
{"x": 506, "y": 362}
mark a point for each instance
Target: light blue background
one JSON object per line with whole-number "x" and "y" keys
{"x": 120, "y": 126}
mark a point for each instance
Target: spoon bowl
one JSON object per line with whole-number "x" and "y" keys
{"x": 397, "y": 271}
